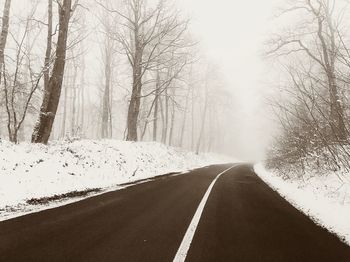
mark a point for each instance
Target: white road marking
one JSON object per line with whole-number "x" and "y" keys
{"x": 186, "y": 241}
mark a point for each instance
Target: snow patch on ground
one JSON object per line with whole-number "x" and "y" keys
{"x": 326, "y": 199}
{"x": 30, "y": 171}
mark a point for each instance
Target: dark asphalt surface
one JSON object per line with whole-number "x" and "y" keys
{"x": 244, "y": 220}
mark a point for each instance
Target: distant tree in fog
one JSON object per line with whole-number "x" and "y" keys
{"x": 108, "y": 55}
{"x": 21, "y": 78}
{"x": 147, "y": 34}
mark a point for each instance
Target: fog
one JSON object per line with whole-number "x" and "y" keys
{"x": 229, "y": 39}
{"x": 233, "y": 34}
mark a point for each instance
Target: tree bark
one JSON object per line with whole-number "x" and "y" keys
{"x": 110, "y": 110}
{"x": 48, "y": 46}
{"x": 135, "y": 100}
{"x": 4, "y": 33}
{"x": 166, "y": 117}
{"x": 203, "y": 120}
{"x": 74, "y": 102}
{"x": 156, "y": 107}
{"x": 172, "y": 124}
{"x": 336, "y": 109}
{"x": 184, "y": 119}
{"x": 192, "y": 119}
{"x": 106, "y": 97}
{"x": 82, "y": 97}
{"x": 63, "y": 127}
{"x": 134, "y": 105}
{"x": 52, "y": 93}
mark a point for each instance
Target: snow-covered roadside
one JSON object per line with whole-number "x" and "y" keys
{"x": 30, "y": 171}
{"x": 324, "y": 198}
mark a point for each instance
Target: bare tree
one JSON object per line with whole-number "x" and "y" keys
{"x": 148, "y": 33}
{"x": 48, "y": 46}
{"x": 313, "y": 108}
{"x": 4, "y": 33}
{"x": 190, "y": 87}
{"x": 321, "y": 46}
{"x": 204, "y": 117}
{"x": 65, "y": 98}
{"x": 74, "y": 88}
{"x": 43, "y": 127}
{"x": 108, "y": 52}
{"x": 22, "y": 81}
{"x": 156, "y": 107}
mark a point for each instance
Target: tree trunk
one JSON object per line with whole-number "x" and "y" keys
{"x": 48, "y": 46}
{"x": 147, "y": 117}
{"x": 110, "y": 108}
{"x": 166, "y": 117}
{"x": 192, "y": 120}
{"x": 13, "y": 136}
{"x": 82, "y": 94}
{"x": 172, "y": 124}
{"x": 4, "y": 33}
{"x": 161, "y": 108}
{"x": 212, "y": 125}
{"x": 63, "y": 127}
{"x": 105, "y": 112}
{"x": 203, "y": 120}
{"x": 336, "y": 108}
{"x": 134, "y": 105}
{"x": 156, "y": 106}
{"x": 74, "y": 102}
{"x": 106, "y": 98}
{"x": 52, "y": 93}
{"x": 184, "y": 119}
{"x": 80, "y": 114}
{"x": 133, "y": 113}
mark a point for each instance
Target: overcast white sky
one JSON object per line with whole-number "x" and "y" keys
{"x": 232, "y": 33}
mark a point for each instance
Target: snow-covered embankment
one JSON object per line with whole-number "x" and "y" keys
{"x": 30, "y": 172}
{"x": 326, "y": 198}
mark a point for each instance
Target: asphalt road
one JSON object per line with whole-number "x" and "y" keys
{"x": 243, "y": 220}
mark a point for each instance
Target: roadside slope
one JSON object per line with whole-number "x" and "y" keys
{"x": 32, "y": 172}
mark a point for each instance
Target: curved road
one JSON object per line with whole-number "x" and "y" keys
{"x": 243, "y": 220}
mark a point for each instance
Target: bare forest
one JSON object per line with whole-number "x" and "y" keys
{"x": 312, "y": 101}
{"x": 128, "y": 70}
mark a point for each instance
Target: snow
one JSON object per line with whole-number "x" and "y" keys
{"x": 324, "y": 198}
{"x": 35, "y": 171}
